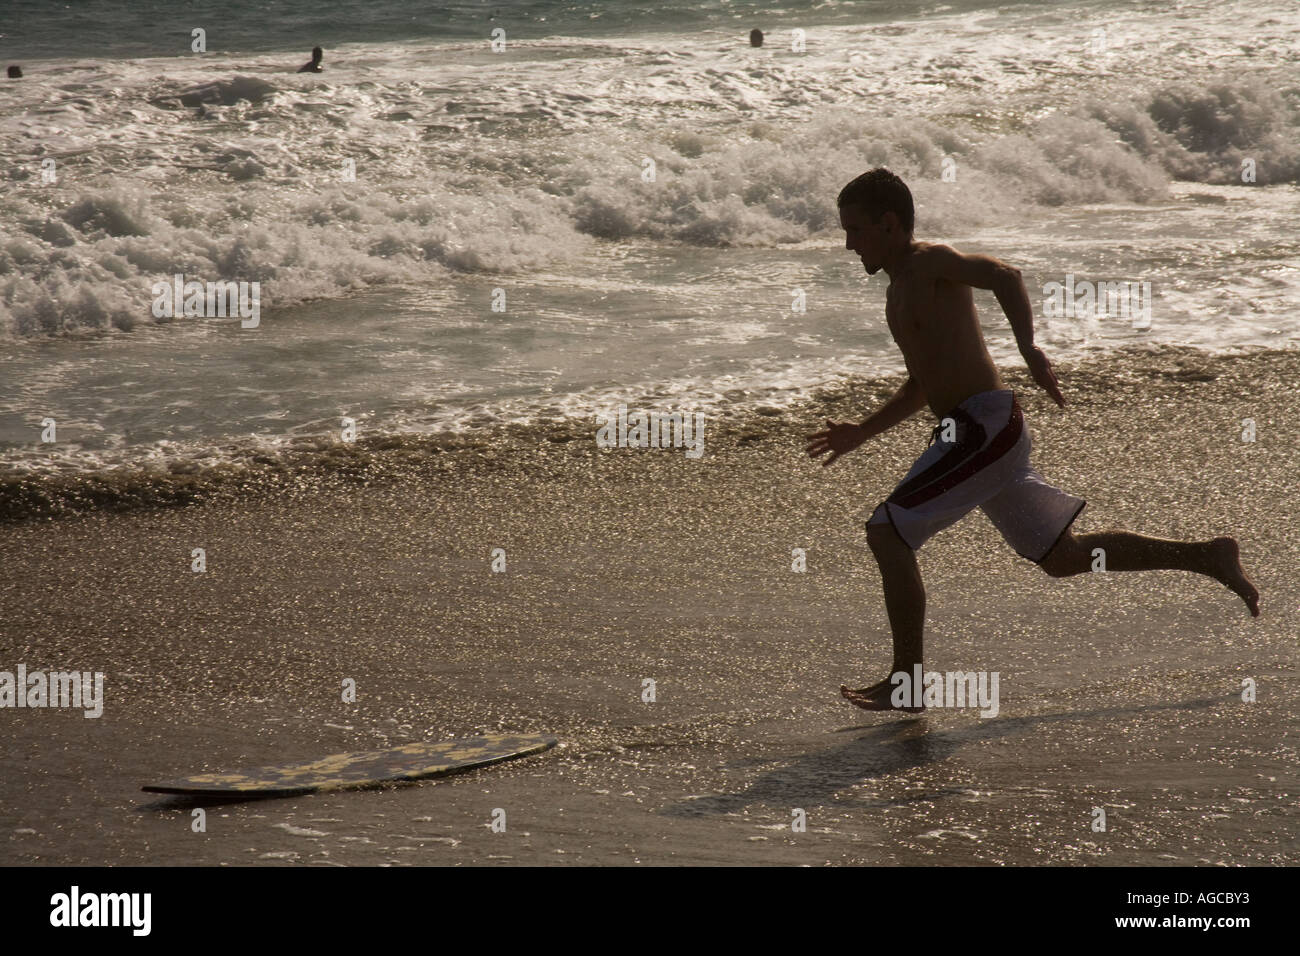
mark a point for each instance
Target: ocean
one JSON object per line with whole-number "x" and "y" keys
{"x": 618, "y": 204}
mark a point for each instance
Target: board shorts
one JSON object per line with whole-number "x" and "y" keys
{"x": 983, "y": 463}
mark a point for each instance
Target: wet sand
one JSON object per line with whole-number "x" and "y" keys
{"x": 1119, "y": 691}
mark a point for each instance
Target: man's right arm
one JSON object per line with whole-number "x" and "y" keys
{"x": 906, "y": 402}
{"x": 840, "y": 438}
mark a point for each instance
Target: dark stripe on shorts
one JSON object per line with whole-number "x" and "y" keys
{"x": 913, "y": 494}
{"x": 967, "y": 443}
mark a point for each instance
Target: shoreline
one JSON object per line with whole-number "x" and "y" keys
{"x": 318, "y": 463}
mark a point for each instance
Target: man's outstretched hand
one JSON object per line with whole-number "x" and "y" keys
{"x": 839, "y": 438}
{"x": 1041, "y": 369}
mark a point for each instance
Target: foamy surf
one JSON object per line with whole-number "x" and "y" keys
{"x": 387, "y": 206}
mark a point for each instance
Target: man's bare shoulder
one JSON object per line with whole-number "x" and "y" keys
{"x": 936, "y": 261}
{"x": 932, "y": 259}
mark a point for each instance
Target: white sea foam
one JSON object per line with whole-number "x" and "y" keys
{"x": 523, "y": 171}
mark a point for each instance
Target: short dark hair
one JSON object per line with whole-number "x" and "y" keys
{"x": 878, "y": 191}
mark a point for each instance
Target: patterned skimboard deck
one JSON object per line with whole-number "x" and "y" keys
{"x": 347, "y": 771}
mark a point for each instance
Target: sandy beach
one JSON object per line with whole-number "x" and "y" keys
{"x": 373, "y": 561}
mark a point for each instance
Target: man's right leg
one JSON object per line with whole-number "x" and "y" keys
{"x": 900, "y": 576}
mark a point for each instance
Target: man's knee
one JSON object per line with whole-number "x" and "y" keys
{"x": 883, "y": 539}
{"x": 1065, "y": 558}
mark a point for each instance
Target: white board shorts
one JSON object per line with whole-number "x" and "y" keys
{"x": 984, "y": 464}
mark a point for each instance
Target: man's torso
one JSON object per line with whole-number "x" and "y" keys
{"x": 934, "y": 323}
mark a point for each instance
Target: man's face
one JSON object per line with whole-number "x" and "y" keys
{"x": 864, "y": 237}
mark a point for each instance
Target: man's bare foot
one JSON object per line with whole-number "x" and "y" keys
{"x": 875, "y": 697}
{"x": 1225, "y": 564}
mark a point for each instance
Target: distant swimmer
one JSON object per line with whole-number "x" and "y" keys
{"x": 979, "y": 456}
{"x": 314, "y": 66}
{"x": 756, "y": 37}
{"x": 15, "y": 73}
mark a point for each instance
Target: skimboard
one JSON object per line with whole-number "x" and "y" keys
{"x": 371, "y": 768}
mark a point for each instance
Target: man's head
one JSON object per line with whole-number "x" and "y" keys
{"x": 877, "y": 214}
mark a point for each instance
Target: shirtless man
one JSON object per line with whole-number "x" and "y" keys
{"x": 979, "y": 452}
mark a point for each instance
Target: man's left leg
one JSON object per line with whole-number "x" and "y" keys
{"x": 1126, "y": 551}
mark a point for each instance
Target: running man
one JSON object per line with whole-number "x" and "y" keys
{"x": 979, "y": 451}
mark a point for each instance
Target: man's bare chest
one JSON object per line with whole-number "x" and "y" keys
{"x": 905, "y": 320}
